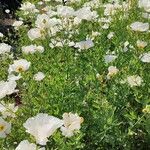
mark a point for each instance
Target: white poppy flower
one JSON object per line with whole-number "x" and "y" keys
{"x": 109, "y": 58}
{"x": 5, "y": 128}
{"x": 39, "y": 76}
{"x": 141, "y": 44}
{"x": 35, "y": 33}
{"x": 145, "y": 57}
{"x": 145, "y": 4}
{"x": 134, "y": 80}
{"x": 139, "y": 26}
{"x": 8, "y": 110}
{"x": 112, "y": 70}
{"x": 86, "y": 14}
{"x": 12, "y": 77}
{"x": 25, "y": 145}
{"x": 4, "y": 48}
{"x": 65, "y": 11}
{"x": 28, "y": 7}
{"x": 29, "y": 49}
{"x": 84, "y": 44}
{"x": 72, "y": 122}
{"x": 7, "y": 88}
{"x": 19, "y": 66}
{"x": 42, "y": 126}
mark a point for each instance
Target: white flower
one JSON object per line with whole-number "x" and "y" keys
{"x": 17, "y": 23}
{"x": 1, "y": 35}
{"x": 139, "y": 26}
{"x": 5, "y": 128}
{"x": 134, "y": 80}
{"x": 84, "y": 44}
{"x": 25, "y": 145}
{"x": 7, "y": 11}
{"x": 112, "y": 70}
{"x": 28, "y": 8}
{"x": 109, "y": 58}
{"x": 42, "y": 126}
{"x": 110, "y": 35}
{"x": 8, "y": 110}
{"x": 86, "y": 14}
{"x": 39, "y": 76}
{"x": 35, "y": 33}
{"x": 145, "y": 4}
{"x": 12, "y": 77}
{"x": 141, "y": 44}
{"x": 4, "y": 48}
{"x": 145, "y": 57}
{"x": 7, "y": 88}
{"x": 32, "y": 49}
{"x": 65, "y": 11}
{"x": 19, "y": 66}
{"x": 72, "y": 122}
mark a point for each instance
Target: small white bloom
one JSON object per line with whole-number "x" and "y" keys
{"x": 19, "y": 66}
{"x": 145, "y": 4}
{"x": 35, "y": 33}
{"x": 4, "y": 48}
{"x": 17, "y": 23}
{"x": 5, "y": 128}
{"x": 12, "y": 77}
{"x": 84, "y": 44}
{"x": 65, "y": 11}
{"x": 39, "y": 76}
{"x": 141, "y": 44}
{"x": 139, "y": 26}
{"x": 29, "y": 49}
{"x": 42, "y": 126}
{"x": 8, "y": 110}
{"x": 109, "y": 58}
{"x": 7, "y": 11}
{"x": 112, "y": 70}
{"x": 25, "y": 145}
{"x": 145, "y": 57}
{"x": 7, "y": 88}
{"x": 72, "y": 122}
{"x": 134, "y": 80}
{"x": 110, "y": 35}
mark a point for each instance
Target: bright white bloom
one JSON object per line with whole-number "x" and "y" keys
{"x": 84, "y": 44}
{"x": 28, "y": 8}
{"x": 19, "y": 66}
{"x": 35, "y": 33}
{"x": 5, "y": 128}
{"x": 86, "y": 14}
{"x": 110, "y": 35}
{"x": 8, "y": 110}
{"x": 32, "y": 49}
{"x": 139, "y": 26}
{"x": 65, "y": 11}
{"x": 72, "y": 122}
{"x": 1, "y": 35}
{"x": 134, "y": 80}
{"x": 109, "y": 58}
{"x": 25, "y": 145}
{"x": 12, "y": 77}
{"x": 112, "y": 70}
{"x": 4, "y": 48}
{"x": 17, "y": 23}
{"x": 145, "y": 57}
{"x": 7, "y": 11}
{"x": 42, "y": 126}
{"x": 7, "y": 88}
{"x": 39, "y": 76}
{"x": 141, "y": 44}
{"x": 145, "y": 4}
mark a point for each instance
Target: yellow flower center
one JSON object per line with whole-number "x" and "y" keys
{"x": 2, "y": 127}
{"x": 20, "y": 69}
